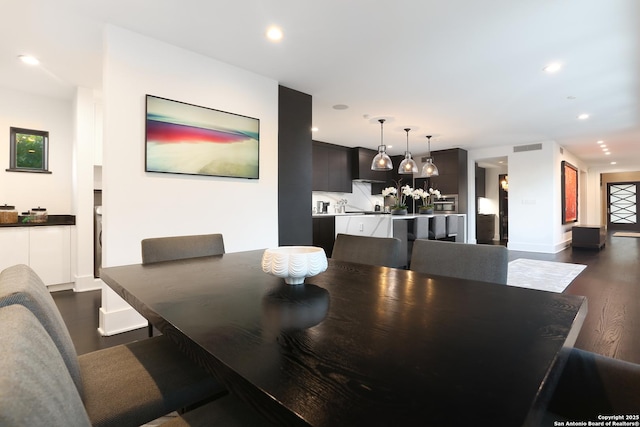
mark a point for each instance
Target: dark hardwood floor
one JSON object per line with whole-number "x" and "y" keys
{"x": 611, "y": 283}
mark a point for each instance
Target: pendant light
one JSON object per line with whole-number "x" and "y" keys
{"x": 382, "y": 161}
{"x": 429, "y": 168}
{"x": 408, "y": 165}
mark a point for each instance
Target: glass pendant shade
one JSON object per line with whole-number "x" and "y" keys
{"x": 429, "y": 168}
{"x": 381, "y": 161}
{"x": 408, "y": 165}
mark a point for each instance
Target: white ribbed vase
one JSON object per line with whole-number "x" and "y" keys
{"x": 294, "y": 263}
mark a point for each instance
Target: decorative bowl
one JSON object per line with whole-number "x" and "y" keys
{"x": 294, "y": 263}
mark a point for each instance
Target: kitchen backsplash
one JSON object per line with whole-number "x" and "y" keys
{"x": 360, "y": 199}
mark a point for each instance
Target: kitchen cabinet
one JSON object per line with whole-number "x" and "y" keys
{"x": 331, "y": 168}
{"x": 361, "y": 166}
{"x": 453, "y": 176}
{"x": 480, "y": 182}
{"x": 324, "y": 231}
{"x": 46, "y": 249}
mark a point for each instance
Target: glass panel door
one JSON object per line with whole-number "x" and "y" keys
{"x": 622, "y": 206}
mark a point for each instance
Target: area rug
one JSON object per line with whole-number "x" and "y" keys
{"x": 626, "y": 234}
{"x": 542, "y": 275}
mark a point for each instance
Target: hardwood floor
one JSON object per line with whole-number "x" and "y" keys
{"x": 611, "y": 283}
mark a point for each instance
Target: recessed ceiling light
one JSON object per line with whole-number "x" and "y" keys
{"x": 603, "y": 145}
{"x": 605, "y": 149}
{"x": 583, "y": 116}
{"x": 274, "y": 34}
{"x": 600, "y": 142}
{"x": 27, "y": 59}
{"x": 314, "y": 129}
{"x": 614, "y": 163}
{"x": 553, "y": 67}
{"x": 607, "y": 153}
{"x": 340, "y": 107}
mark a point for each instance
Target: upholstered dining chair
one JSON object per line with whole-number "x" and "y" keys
{"x": 382, "y": 251}
{"x": 127, "y": 384}
{"x": 158, "y": 249}
{"x": 466, "y": 261}
{"x": 36, "y": 389}
{"x": 591, "y": 385}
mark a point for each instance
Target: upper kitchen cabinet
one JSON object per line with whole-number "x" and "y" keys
{"x": 361, "y": 166}
{"x": 452, "y": 166}
{"x": 331, "y": 168}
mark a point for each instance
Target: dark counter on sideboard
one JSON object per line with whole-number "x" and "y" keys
{"x": 51, "y": 220}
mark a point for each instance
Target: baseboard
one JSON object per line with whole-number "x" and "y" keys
{"x": 117, "y": 322}
{"x": 87, "y": 283}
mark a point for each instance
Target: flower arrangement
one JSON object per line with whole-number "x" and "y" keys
{"x": 399, "y": 194}
{"x": 427, "y": 196}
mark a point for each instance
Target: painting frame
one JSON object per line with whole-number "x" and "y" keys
{"x": 188, "y": 139}
{"x": 29, "y": 150}
{"x": 569, "y": 186}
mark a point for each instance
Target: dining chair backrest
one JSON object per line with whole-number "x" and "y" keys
{"x": 421, "y": 226}
{"x": 35, "y": 386}
{"x": 452, "y": 225}
{"x": 19, "y": 284}
{"x": 158, "y": 249}
{"x": 592, "y": 384}
{"x": 381, "y": 251}
{"x": 486, "y": 263}
{"x": 438, "y": 227}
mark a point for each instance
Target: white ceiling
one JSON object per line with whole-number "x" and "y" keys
{"x": 468, "y": 72}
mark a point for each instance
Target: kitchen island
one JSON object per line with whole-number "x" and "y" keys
{"x": 386, "y": 225}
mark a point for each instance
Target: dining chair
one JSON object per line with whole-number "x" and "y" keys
{"x": 438, "y": 227}
{"x": 486, "y": 263}
{"x": 591, "y": 385}
{"x": 36, "y": 389}
{"x": 381, "y": 251}
{"x": 159, "y": 249}
{"x": 127, "y": 384}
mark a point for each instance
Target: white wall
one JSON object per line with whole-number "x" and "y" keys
{"x": 30, "y": 190}
{"x": 535, "y": 220}
{"x": 137, "y": 204}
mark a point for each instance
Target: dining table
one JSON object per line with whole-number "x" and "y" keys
{"x": 361, "y": 345}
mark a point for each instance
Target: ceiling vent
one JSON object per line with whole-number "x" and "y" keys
{"x": 530, "y": 147}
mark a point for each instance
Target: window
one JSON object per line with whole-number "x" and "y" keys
{"x": 29, "y": 150}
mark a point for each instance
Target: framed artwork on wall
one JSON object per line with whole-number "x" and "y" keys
{"x": 569, "y": 179}
{"x": 188, "y": 139}
{"x": 29, "y": 150}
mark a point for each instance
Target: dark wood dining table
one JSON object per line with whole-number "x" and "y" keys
{"x": 359, "y": 345}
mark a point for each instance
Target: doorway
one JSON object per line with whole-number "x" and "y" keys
{"x": 503, "y": 207}
{"x": 622, "y": 202}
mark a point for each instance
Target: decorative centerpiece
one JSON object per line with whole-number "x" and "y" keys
{"x": 399, "y": 194}
{"x": 427, "y": 197}
{"x": 294, "y": 263}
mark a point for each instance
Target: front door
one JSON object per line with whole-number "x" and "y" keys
{"x": 622, "y": 202}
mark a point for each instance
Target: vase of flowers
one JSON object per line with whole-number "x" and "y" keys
{"x": 399, "y": 193}
{"x": 427, "y": 196}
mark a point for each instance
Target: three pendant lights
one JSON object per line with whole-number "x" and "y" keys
{"x": 382, "y": 161}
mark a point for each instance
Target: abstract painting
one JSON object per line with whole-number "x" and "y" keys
{"x": 569, "y": 180}
{"x": 188, "y": 139}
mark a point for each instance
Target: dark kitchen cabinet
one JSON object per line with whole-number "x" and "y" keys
{"x": 480, "y": 181}
{"x": 331, "y": 168}
{"x": 361, "y": 166}
{"x": 452, "y": 178}
{"x": 324, "y": 231}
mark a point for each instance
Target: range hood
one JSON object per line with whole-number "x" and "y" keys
{"x": 361, "y": 166}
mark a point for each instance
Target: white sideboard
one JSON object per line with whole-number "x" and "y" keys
{"x": 46, "y": 249}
